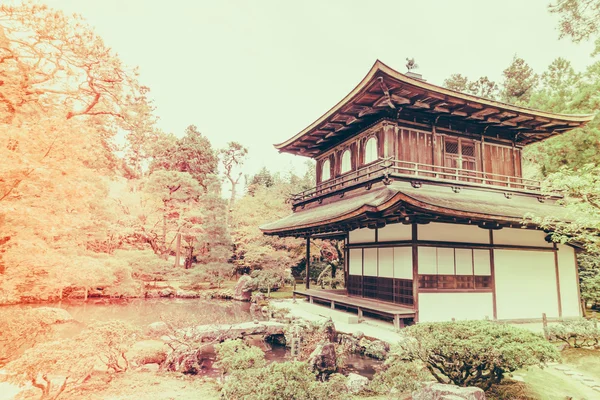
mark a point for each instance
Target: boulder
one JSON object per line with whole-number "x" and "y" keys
{"x": 356, "y": 383}
{"x": 259, "y": 298}
{"x": 164, "y": 292}
{"x": 158, "y": 328}
{"x": 52, "y": 315}
{"x": 243, "y": 289}
{"x": 439, "y": 391}
{"x": 324, "y": 359}
{"x": 150, "y": 368}
{"x": 350, "y": 342}
{"x": 358, "y": 335}
{"x": 328, "y": 330}
{"x": 187, "y": 294}
{"x": 148, "y": 352}
{"x": 377, "y": 349}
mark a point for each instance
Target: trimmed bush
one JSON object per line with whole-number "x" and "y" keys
{"x": 399, "y": 376}
{"x": 293, "y": 380}
{"x": 575, "y": 333}
{"x": 474, "y": 353}
{"x": 236, "y": 355}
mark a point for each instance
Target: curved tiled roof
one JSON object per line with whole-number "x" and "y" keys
{"x": 384, "y": 88}
{"x": 433, "y": 199}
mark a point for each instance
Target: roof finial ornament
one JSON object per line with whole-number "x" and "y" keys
{"x": 411, "y": 64}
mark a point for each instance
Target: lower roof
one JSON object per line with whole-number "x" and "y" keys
{"x": 396, "y": 198}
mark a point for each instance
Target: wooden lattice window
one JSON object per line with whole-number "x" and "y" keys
{"x": 454, "y": 269}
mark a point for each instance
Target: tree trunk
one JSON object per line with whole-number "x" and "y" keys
{"x": 178, "y": 250}
{"x": 164, "y": 237}
{"x": 188, "y": 258}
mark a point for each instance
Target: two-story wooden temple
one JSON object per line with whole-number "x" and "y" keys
{"x": 425, "y": 186}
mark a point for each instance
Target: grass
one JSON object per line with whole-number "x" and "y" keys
{"x": 286, "y": 292}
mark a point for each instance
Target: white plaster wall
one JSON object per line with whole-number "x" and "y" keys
{"x": 370, "y": 262}
{"x": 452, "y": 233}
{"x": 403, "y": 263}
{"x": 355, "y": 267}
{"x": 394, "y": 232}
{"x": 464, "y": 261}
{"x": 435, "y": 307}
{"x": 445, "y": 261}
{"x": 525, "y": 284}
{"x": 481, "y": 262}
{"x": 521, "y": 237}
{"x": 568, "y": 281}
{"x": 363, "y": 235}
{"x": 386, "y": 262}
{"x": 427, "y": 260}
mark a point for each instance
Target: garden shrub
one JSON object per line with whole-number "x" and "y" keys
{"x": 145, "y": 265}
{"x": 576, "y": 333}
{"x": 474, "y": 353}
{"x": 111, "y": 340}
{"x": 399, "y": 376}
{"x": 21, "y": 329}
{"x": 293, "y": 380}
{"x": 52, "y": 366}
{"x": 236, "y": 354}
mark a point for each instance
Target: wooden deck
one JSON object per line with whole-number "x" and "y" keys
{"x": 339, "y": 297}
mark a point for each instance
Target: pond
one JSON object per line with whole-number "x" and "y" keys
{"x": 142, "y": 312}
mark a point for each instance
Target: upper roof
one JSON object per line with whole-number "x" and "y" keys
{"x": 385, "y": 92}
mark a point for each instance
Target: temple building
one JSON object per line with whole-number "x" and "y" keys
{"x": 425, "y": 186}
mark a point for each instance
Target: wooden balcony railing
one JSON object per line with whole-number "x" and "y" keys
{"x": 391, "y": 168}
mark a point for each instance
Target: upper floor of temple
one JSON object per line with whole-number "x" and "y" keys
{"x": 396, "y": 126}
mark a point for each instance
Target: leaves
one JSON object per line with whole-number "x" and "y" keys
{"x": 473, "y": 353}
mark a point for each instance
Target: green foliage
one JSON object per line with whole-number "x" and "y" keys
{"x": 398, "y": 376}
{"x": 292, "y": 380}
{"x": 270, "y": 279}
{"x": 193, "y": 154}
{"x": 233, "y": 355}
{"x": 144, "y": 264}
{"x": 216, "y": 273}
{"x": 474, "y": 353}
{"x": 576, "y": 333}
{"x": 581, "y": 222}
{"x": 589, "y": 277}
{"x": 21, "y": 329}
{"x": 482, "y": 87}
{"x": 110, "y": 341}
{"x": 70, "y": 359}
{"x": 233, "y": 158}
{"x": 519, "y": 82}
{"x": 579, "y": 19}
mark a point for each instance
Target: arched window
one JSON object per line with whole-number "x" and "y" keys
{"x": 371, "y": 150}
{"x": 325, "y": 171}
{"x": 346, "y": 162}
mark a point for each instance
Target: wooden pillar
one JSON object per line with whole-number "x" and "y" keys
{"x": 555, "y": 247}
{"x": 415, "y": 267}
{"x": 346, "y": 260}
{"x": 582, "y": 305}
{"x": 308, "y": 262}
{"x": 493, "y": 274}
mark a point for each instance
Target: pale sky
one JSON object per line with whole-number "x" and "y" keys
{"x": 258, "y": 72}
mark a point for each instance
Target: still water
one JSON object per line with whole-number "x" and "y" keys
{"x": 186, "y": 312}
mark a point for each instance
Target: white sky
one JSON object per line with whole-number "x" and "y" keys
{"x": 258, "y": 72}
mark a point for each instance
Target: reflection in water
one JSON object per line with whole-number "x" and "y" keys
{"x": 188, "y": 312}
{"x": 142, "y": 312}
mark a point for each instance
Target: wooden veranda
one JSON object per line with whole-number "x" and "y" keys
{"x": 401, "y": 315}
